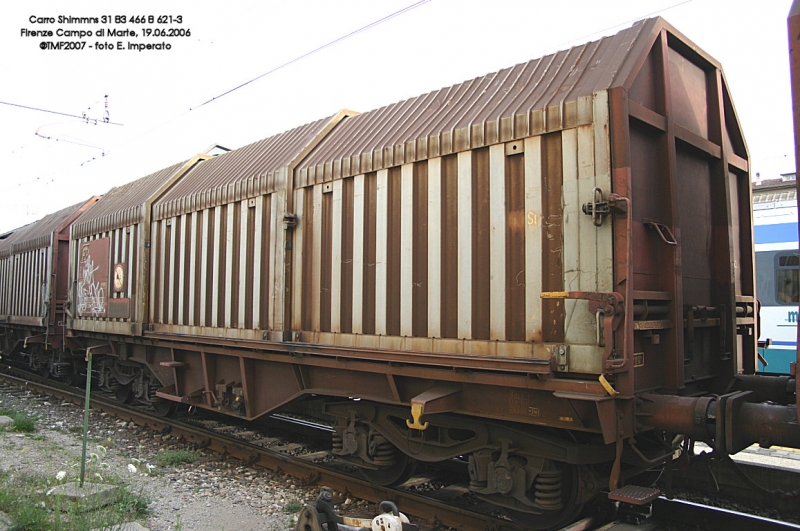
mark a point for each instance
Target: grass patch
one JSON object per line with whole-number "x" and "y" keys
{"x": 175, "y": 457}
{"x": 22, "y": 422}
{"x": 293, "y": 507}
{"x": 24, "y": 499}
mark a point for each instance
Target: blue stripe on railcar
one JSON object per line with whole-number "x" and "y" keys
{"x": 778, "y": 233}
{"x": 778, "y": 359}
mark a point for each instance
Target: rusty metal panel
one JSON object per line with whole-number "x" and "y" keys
{"x": 687, "y": 83}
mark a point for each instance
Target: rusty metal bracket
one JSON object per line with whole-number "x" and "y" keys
{"x": 103, "y": 348}
{"x": 660, "y": 228}
{"x": 439, "y": 399}
{"x": 41, "y": 338}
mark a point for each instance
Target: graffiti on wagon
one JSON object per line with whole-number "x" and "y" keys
{"x": 92, "y": 281}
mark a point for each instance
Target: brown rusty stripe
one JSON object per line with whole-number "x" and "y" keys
{"x": 308, "y": 254}
{"x": 393, "y": 255}
{"x": 346, "y": 300}
{"x": 326, "y": 255}
{"x": 419, "y": 293}
{"x": 450, "y": 246}
{"x": 370, "y": 223}
{"x": 481, "y": 252}
{"x": 553, "y": 238}
{"x": 515, "y": 247}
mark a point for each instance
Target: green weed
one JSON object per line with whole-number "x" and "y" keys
{"x": 22, "y": 422}
{"x": 175, "y": 457}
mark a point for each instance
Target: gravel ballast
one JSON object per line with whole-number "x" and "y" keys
{"x": 210, "y": 494}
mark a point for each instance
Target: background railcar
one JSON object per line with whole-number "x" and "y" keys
{"x": 778, "y": 270}
{"x": 34, "y": 290}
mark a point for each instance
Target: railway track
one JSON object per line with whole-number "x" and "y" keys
{"x": 429, "y": 498}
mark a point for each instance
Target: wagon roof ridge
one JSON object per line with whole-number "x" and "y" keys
{"x": 551, "y": 93}
{"x": 254, "y": 169}
{"x": 40, "y": 233}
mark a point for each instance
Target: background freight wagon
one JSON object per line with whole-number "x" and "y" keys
{"x": 34, "y": 286}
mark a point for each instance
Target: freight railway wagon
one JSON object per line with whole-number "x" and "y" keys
{"x": 547, "y": 271}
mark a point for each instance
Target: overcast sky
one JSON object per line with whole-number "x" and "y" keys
{"x": 436, "y": 44}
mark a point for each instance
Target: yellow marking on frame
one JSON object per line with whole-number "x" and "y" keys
{"x": 555, "y": 294}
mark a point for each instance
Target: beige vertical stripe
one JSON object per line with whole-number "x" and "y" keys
{"x": 162, "y": 253}
{"x": 358, "y": 254}
{"x": 465, "y": 245}
{"x": 178, "y": 319}
{"x": 571, "y": 250}
{"x": 336, "y": 258}
{"x": 435, "y": 247}
{"x": 204, "y": 273}
{"x": 275, "y": 317}
{"x": 297, "y": 263}
{"x": 316, "y": 259}
{"x": 587, "y": 264}
{"x": 381, "y": 250}
{"x": 213, "y": 280}
{"x": 257, "y": 265}
{"x": 602, "y": 165}
{"x": 230, "y": 234}
{"x": 243, "y": 228}
{"x": 406, "y": 247}
{"x": 497, "y": 241}
{"x": 194, "y": 266}
{"x": 533, "y": 238}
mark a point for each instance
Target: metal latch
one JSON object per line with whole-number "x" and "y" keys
{"x": 600, "y": 207}
{"x": 609, "y": 310}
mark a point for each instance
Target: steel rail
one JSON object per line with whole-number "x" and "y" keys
{"x": 706, "y": 517}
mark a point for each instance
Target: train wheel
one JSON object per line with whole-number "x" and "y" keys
{"x": 545, "y": 491}
{"x": 164, "y": 408}
{"x": 124, "y": 394}
{"x": 69, "y": 379}
{"x": 395, "y": 474}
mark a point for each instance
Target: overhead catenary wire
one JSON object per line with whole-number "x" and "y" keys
{"x": 56, "y": 112}
{"x": 292, "y": 61}
{"x": 318, "y": 49}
